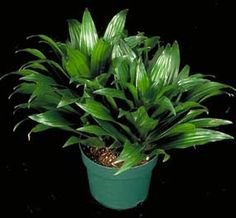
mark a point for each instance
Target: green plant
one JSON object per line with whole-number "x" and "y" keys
{"x": 124, "y": 92}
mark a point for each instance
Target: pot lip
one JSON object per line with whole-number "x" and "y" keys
{"x": 114, "y": 168}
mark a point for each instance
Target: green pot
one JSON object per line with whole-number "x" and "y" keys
{"x": 122, "y": 191}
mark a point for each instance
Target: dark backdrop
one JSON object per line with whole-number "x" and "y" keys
{"x": 39, "y": 179}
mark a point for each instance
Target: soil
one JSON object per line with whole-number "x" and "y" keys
{"x": 106, "y": 157}
{"x": 103, "y": 156}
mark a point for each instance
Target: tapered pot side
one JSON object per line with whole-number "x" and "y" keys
{"x": 122, "y": 191}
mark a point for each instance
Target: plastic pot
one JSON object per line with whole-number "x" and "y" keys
{"x": 122, "y": 191}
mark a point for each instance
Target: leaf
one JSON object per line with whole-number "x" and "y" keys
{"x": 71, "y": 141}
{"x": 151, "y": 42}
{"x": 88, "y": 35}
{"x": 132, "y": 89}
{"x": 121, "y": 68}
{"x": 92, "y": 141}
{"x": 34, "y": 52}
{"x": 108, "y": 127}
{"x": 184, "y": 73}
{"x": 34, "y": 65}
{"x": 160, "y": 152}
{"x": 192, "y": 114}
{"x": 167, "y": 65}
{"x": 76, "y": 64}
{"x": 96, "y": 109}
{"x": 18, "y": 124}
{"x": 52, "y": 119}
{"x": 93, "y": 129}
{"x": 99, "y": 56}
{"x": 205, "y": 90}
{"x": 142, "y": 79}
{"x": 38, "y": 128}
{"x": 121, "y": 49}
{"x": 50, "y": 42}
{"x": 200, "y": 137}
{"x": 178, "y": 129}
{"x": 140, "y": 119}
{"x": 110, "y": 92}
{"x": 164, "y": 104}
{"x": 209, "y": 122}
{"x": 67, "y": 98}
{"x": 134, "y": 41}
{"x": 116, "y": 26}
{"x": 131, "y": 155}
{"x": 74, "y": 32}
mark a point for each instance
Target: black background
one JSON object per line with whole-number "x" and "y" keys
{"x": 39, "y": 179}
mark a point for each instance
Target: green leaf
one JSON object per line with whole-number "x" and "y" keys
{"x": 142, "y": 79}
{"x": 50, "y": 42}
{"x": 110, "y": 92}
{"x": 134, "y": 41}
{"x": 111, "y": 129}
{"x": 92, "y": 141}
{"x": 34, "y": 65}
{"x": 140, "y": 119}
{"x": 99, "y": 56}
{"x": 76, "y": 64}
{"x": 38, "y": 128}
{"x": 166, "y": 67}
{"x": 164, "y": 104}
{"x": 67, "y": 98}
{"x": 121, "y": 49}
{"x": 152, "y": 42}
{"x": 52, "y": 119}
{"x": 184, "y": 73}
{"x": 160, "y": 152}
{"x": 96, "y": 109}
{"x": 131, "y": 155}
{"x": 205, "y": 90}
{"x": 209, "y": 122}
{"x": 93, "y": 129}
{"x": 121, "y": 68}
{"x": 74, "y": 32}
{"x": 71, "y": 141}
{"x": 88, "y": 35}
{"x": 178, "y": 129}
{"x": 34, "y": 52}
{"x": 116, "y": 26}
{"x": 200, "y": 137}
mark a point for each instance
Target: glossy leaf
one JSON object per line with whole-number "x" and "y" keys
{"x": 142, "y": 79}
{"x": 92, "y": 142}
{"x": 74, "y": 32}
{"x": 112, "y": 130}
{"x": 209, "y": 122}
{"x": 38, "y": 128}
{"x": 76, "y": 64}
{"x": 88, "y": 35}
{"x": 67, "y": 98}
{"x": 52, "y": 119}
{"x": 130, "y": 156}
{"x": 167, "y": 65}
{"x": 200, "y": 137}
{"x": 34, "y": 52}
{"x": 71, "y": 141}
{"x": 142, "y": 121}
{"x": 116, "y": 26}
{"x": 93, "y": 129}
{"x": 96, "y": 109}
{"x": 100, "y": 55}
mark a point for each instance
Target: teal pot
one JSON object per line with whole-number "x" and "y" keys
{"x": 122, "y": 191}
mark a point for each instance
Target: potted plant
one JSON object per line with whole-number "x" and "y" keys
{"x": 123, "y": 99}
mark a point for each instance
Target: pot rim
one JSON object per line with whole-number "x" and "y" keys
{"x": 115, "y": 168}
